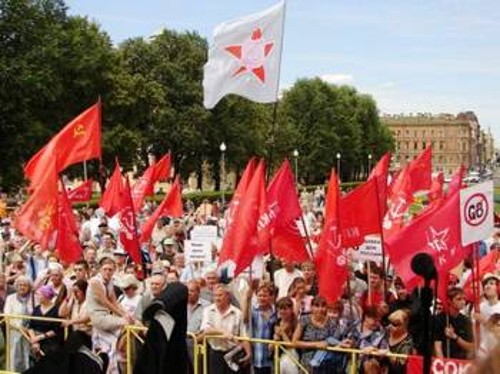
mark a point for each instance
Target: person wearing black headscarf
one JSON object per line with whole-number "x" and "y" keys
{"x": 165, "y": 347}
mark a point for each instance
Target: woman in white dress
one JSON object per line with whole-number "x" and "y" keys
{"x": 20, "y": 303}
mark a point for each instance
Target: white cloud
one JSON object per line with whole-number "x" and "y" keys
{"x": 337, "y": 78}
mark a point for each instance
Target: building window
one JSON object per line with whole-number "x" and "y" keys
{"x": 415, "y": 133}
{"x": 407, "y": 145}
{"x": 415, "y": 145}
{"x": 424, "y": 145}
{"x": 441, "y": 145}
{"x": 398, "y": 132}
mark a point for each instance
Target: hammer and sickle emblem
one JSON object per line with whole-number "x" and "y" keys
{"x": 79, "y": 130}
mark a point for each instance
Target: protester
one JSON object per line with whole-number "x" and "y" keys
{"x": 399, "y": 340}
{"x": 453, "y": 330}
{"x": 262, "y": 319}
{"x": 74, "y": 308}
{"x": 45, "y": 336}
{"x": 19, "y": 303}
{"x": 222, "y": 318}
{"x": 284, "y": 277}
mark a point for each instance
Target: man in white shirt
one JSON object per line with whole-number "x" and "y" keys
{"x": 222, "y": 318}
{"x": 284, "y": 277}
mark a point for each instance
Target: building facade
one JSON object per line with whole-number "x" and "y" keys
{"x": 456, "y": 140}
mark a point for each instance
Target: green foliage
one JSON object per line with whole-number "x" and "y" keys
{"x": 319, "y": 120}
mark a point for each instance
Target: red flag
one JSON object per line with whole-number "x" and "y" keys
{"x": 162, "y": 168}
{"x": 436, "y": 190}
{"x": 161, "y": 171}
{"x": 78, "y": 141}
{"x": 456, "y": 182}
{"x": 128, "y": 225}
{"x": 331, "y": 259}
{"x": 280, "y": 219}
{"x": 400, "y": 200}
{"x": 359, "y": 214}
{"x": 67, "y": 243}
{"x": 380, "y": 172}
{"x": 416, "y": 176}
{"x": 487, "y": 264}
{"x": 420, "y": 171}
{"x": 171, "y": 205}
{"x": 37, "y": 218}
{"x": 243, "y": 241}
{"x": 111, "y": 200}
{"x": 436, "y": 232}
{"x": 240, "y": 191}
{"x": 81, "y": 193}
{"x": 142, "y": 186}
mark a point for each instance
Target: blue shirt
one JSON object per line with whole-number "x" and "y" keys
{"x": 262, "y": 328}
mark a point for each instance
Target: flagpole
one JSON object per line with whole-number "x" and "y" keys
{"x": 475, "y": 287}
{"x": 382, "y": 245}
{"x": 85, "y": 177}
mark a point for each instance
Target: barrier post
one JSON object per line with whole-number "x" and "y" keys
{"x": 354, "y": 363}
{"x": 205, "y": 355}
{"x": 276, "y": 358}
{"x": 129, "y": 350}
{"x": 7, "y": 342}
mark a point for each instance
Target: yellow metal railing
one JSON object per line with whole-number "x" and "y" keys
{"x": 134, "y": 332}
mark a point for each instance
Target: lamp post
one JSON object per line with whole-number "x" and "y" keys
{"x": 223, "y": 171}
{"x": 338, "y": 155}
{"x": 296, "y": 160}
{"x": 369, "y": 164}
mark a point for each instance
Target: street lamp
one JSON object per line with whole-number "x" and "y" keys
{"x": 369, "y": 163}
{"x": 296, "y": 159}
{"x": 223, "y": 170}
{"x": 338, "y": 155}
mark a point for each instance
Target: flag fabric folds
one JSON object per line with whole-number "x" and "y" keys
{"x": 245, "y": 58}
{"x": 128, "y": 224}
{"x": 243, "y": 241}
{"x": 331, "y": 257}
{"x": 381, "y": 172}
{"x": 67, "y": 243}
{"x": 414, "y": 177}
{"x": 436, "y": 232}
{"x": 78, "y": 141}
{"x": 171, "y": 206}
{"x": 144, "y": 186}
{"x": 37, "y": 219}
{"x": 81, "y": 193}
{"x": 111, "y": 198}
{"x": 282, "y": 213}
{"x": 241, "y": 188}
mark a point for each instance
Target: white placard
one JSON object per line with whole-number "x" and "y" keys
{"x": 370, "y": 250}
{"x": 476, "y": 212}
{"x": 202, "y": 232}
{"x": 197, "y": 251}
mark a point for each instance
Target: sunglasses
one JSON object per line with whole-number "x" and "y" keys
{"x": 395, "y": 323}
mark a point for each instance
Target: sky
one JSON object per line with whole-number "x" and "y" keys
{"x": 432, "y": 56}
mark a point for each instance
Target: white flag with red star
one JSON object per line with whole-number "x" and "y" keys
{"x": 245, "y": 58}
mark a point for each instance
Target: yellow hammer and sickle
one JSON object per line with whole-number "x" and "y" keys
{"x": 79, "y": 130}
{"x": 45, "y": 218}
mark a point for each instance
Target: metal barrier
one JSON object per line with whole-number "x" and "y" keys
{"x": 133, "y": 332}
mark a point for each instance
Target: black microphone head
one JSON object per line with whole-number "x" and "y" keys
{"x": 423, "y": 264}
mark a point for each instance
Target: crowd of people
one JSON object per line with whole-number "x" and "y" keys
{"x": 97, "y": 296}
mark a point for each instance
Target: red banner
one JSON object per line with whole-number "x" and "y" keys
{"x": 439, "y": 365}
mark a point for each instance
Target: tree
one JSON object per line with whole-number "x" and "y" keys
{"x": 320, "y": 120}
{"x": 51, "y": 68}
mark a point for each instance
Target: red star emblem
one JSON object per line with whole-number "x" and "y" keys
{"x": 252, "y": 55}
